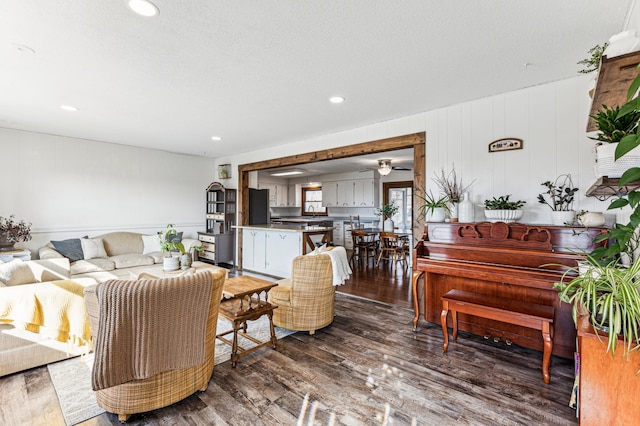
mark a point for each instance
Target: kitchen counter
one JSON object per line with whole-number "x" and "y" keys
{"x": 270, "y": 249}
{"x": 288, "y": 228}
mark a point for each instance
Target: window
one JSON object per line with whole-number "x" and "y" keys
{"x": 401, "y": 194}
{"x": 312, "y": 202}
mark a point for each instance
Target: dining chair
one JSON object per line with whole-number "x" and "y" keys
{"x": 364, "y": 246}
{"x": 392, "y": 248}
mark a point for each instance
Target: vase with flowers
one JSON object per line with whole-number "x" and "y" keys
{"x": 12, "y": 232}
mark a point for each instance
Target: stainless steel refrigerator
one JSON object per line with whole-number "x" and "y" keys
{"x": 259, "y": 213}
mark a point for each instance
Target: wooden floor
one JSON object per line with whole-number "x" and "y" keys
{"x": 389, "y": 283}
{"x": 365, "y": 368}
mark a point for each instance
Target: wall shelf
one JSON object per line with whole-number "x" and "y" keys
{"x": 614, "y": 77}
{"x": 605, "y": 188}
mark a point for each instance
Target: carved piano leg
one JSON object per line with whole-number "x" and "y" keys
{"x": 416, "y": 304}
{"x": 547, "y": 331}
{"x": 443, "y": 320}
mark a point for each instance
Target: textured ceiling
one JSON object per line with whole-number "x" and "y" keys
{"x": 259, "y": 73}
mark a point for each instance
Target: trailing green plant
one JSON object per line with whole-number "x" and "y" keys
{"x": 503, "y": 203}
{"x": 449, "y": 184}
{"x": 387, "y": 210}
{"x": 592, "y": 63}
{"x": 625, "y": 238}
{"x": 170, "y": 240}
{"x": 560, "y": 193}
{"x": 609, "y": 294}
{"x": 612, "y": 125}
{"x": 16, "y": 230}
{"x": 430, "y": 202}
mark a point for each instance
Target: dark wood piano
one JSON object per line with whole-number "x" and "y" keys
{"x": 509, "y": 260}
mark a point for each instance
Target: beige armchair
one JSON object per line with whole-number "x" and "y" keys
{"x": 306, "y": 300}
{"x": 169, "y": 385}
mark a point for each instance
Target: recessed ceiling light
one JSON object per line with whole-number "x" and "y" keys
{"x": 143, "y": 7}
{"x": 68, "y": 108}
{"x": 336, "y": 99}
{"x": 216, "y": 138}
{"x": 24, "y": 49}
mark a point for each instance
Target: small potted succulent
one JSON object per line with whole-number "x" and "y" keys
{"x": 559, "y": 197}
{"x": 501, "y": 209}
{"x": 12, "y": 232}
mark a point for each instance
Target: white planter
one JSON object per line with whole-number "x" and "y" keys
{"x": 503, "y": 215}
{"x": 170, "y": 264}
{"x": 437, "y": 215}
{"x": 590, "y": 219}
{"x": 388, "y": 225}
{"x": 562, "y": 217}
{"x": 605, "y": 164}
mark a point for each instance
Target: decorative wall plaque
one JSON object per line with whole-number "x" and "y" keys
{"x": 506, "y": 144}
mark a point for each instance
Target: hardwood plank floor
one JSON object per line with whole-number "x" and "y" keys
{"x": 366, "y": 367}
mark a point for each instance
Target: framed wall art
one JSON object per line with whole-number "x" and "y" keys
{"x": 506, "y": 144}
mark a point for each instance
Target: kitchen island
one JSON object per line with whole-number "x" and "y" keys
{"x": 269, "y": 249}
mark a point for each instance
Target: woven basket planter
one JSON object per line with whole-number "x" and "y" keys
{"x": 605, "y": 164}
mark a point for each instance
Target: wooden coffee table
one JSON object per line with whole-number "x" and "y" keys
{"x": 243, "y": 303}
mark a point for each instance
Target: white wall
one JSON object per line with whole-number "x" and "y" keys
{"x": 550, "y": 118}
{"x": 71, "y": 187}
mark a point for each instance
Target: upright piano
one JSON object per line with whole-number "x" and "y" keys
{"x": 509, "y": 260}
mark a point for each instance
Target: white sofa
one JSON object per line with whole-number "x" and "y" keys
{"x": 116, "y": 255}
{"x": 42, "y": 296}
{"x": 42, "y": 314}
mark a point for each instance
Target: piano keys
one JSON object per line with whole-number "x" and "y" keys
{"x": 508, "y": 260}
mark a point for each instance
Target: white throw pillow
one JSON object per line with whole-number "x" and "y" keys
{"x": 16, "y": 272}
{"x": 93, "y": 248}
{"x": 151, "y": 243}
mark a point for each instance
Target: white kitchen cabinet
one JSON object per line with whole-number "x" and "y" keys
{"x": 294, "y": 195}
{"x": 365, "y": 193}
{"x": 270, "y": 252}
{"x": 278, "y": 194}
{"x": 350, "y": 193}
{"x": 330, "y": 194}
{"x": 346, "y": 190}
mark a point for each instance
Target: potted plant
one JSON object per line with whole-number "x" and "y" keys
{"x": 502, "y": 210}
{"x": 559, "y": 197}
{"x": 609, "y": 295}
{"x": 12, "y": 232}
{"x": 452, "y": 188}
{"x": 387, "y": 211}
{"x": 614, "y": 124}
{"x": 170, "y": 242}
{"x": 434, "y": 209}
{"x": 592, "y": 64}
{"x": 623, "y": 240}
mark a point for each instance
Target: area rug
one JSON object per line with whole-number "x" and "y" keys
{"x": 72, "y": 377}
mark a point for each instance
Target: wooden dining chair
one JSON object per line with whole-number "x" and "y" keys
{"x": 364, "y": 246}
{"x": 391, "y": 249}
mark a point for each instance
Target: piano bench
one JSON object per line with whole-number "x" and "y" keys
{"x": 530, "y": 315}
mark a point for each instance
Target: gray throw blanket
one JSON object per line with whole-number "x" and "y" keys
{"x": 150, "y": 326}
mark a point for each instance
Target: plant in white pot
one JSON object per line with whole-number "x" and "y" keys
{"x": 387, "y": 211}
{"x": 434, "y": 209}
{"x": 452, "y": 188}
{"x": 559, "y": 197}
{"x": 502, "y": 210}
{"x": 171, "y": 242}
{"x": 614, "y": 125}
